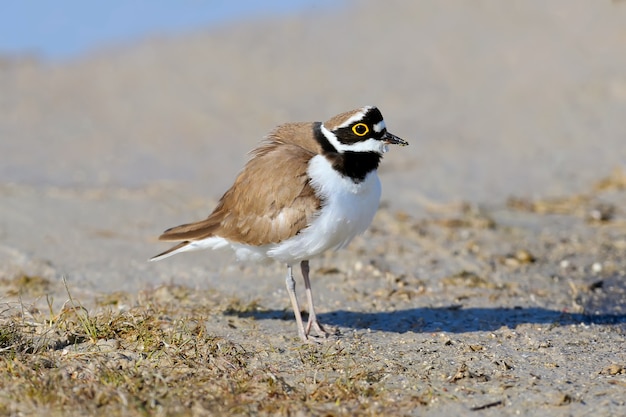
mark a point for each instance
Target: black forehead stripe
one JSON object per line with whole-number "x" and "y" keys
{"x": 371, "y": 117}
{"x": 321, "y": 139}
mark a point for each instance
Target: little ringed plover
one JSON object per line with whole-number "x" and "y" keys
{"x": 307, "y": 188}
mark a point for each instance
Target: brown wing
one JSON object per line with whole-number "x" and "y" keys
{"x": 270, "y": 201}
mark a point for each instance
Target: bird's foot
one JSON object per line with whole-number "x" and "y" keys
{"x": 314, "y": 324}
{"x": 320, "y": 334}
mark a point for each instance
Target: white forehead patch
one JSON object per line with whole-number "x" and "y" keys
{"x": 380, "y": 126}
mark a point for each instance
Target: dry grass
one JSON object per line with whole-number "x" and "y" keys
{"x": 157, "y": 358}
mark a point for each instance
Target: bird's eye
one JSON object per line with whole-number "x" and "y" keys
{"x": 360, "y": 129}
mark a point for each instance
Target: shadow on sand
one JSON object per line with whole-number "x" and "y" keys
{"x": 604, "y": 305}
{"x": 454, "y": 319}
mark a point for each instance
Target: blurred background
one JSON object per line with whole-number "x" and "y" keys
{"x": 68, "y": 28}
{"x": 497, "y": 99}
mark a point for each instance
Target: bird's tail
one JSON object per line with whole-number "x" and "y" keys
{"x": 181, "y": 247}
{"x": 212, "y": 242}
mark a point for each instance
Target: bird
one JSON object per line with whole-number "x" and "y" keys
{"x": 308, "y": 187}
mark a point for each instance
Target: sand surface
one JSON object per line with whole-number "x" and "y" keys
{"x": 516, "y": 116}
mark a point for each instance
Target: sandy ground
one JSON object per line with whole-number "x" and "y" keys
{"x": 494, "y": 271}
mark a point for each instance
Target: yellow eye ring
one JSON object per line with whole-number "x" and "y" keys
{"x": 360, "y": 129}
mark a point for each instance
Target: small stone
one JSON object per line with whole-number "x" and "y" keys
{"x": 524, "y": 256}
{"x": 614, "y": 369}
{"x": 601, "y": 213}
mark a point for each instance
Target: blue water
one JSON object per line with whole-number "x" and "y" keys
{"x": 63, "y": 29}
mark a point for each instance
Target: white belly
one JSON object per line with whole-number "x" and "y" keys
{"x": 348, "y": 209}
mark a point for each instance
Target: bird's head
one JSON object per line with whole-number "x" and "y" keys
{"x": 360, "y": 130}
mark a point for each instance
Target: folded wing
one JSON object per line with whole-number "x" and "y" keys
{"x": 270, "y": 201}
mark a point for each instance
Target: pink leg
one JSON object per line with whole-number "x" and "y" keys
{"x": 312, "y": 323}
{"x": 291, "y": 290}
